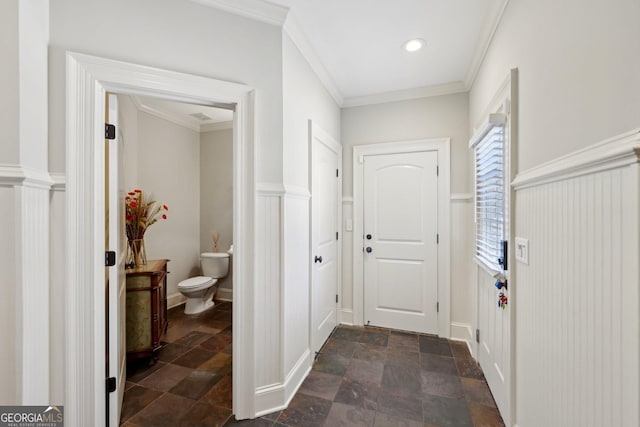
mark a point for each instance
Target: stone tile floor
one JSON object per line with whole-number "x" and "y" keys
{"x": 363, "y": 377}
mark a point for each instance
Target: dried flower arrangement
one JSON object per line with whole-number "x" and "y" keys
{"x": 141, "y": 212}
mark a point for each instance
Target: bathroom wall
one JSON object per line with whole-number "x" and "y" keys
{"x": 170, "y": 170}
{"x": 162, "y": 159}
{"x": 216, "y": 196}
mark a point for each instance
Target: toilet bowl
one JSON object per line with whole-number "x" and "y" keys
{"x": 200, "y": 290}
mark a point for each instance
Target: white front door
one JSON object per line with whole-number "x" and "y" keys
{"x": 400, "y": 241}
{"x": 116, "y": 344}
{"x": 326, "y": 158}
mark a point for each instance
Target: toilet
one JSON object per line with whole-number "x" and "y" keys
{"x": 200, "y": 290}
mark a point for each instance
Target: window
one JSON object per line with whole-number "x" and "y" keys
{"x": 490, "y": 207}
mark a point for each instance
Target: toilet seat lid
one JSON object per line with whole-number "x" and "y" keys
{"x": 194, "y": 282}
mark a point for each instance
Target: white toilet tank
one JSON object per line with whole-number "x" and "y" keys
{"x": 214, "y": 264}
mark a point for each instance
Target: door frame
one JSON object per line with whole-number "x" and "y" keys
{"x": 316, "y": 131}
{"x": 442, "y": 146}
{"x": 88, "y": 79}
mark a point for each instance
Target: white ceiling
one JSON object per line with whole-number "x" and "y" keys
{"x": 197, "y": 117}
{"x": 359, "y": 42}
{"x": 355, "y": 47}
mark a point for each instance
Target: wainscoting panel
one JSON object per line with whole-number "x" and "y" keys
{"x": 268, "y": 288}
{"x": 577, "y": 322}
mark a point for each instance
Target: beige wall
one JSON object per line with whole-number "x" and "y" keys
{"x": 579, "y": 73}
{"x": 216, "y": 193}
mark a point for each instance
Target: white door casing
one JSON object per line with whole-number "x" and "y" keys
{"x": 401, "y": 241}
{"x": 326, "y": 194}
{"x": 441, "y": 146}
{"x": 117, "y": 283}
{"x": 88, "y": 79}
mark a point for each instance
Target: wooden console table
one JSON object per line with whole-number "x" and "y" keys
{"x": 146, "y": 310}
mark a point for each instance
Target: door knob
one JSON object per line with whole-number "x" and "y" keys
{"x": 317, "y": 258}
{"x": 368, "y": 236}
{"x": 369, "y": 250}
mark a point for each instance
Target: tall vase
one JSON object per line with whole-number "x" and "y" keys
{"x": 137, "y": 254}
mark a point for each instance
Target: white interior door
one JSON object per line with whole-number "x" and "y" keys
{"x": 400, "y": 241}
{"x": 116, "y": 242}
{"x": 326, "y": 160}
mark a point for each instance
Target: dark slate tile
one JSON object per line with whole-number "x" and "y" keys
{"x": 403, "y": 358}
{"x": 340, "y": 346}
{"x": 363, "y": 370}
{"x": 432, "y": 345}
{"x": 166, "y": 411}
{"x": 349, "y": 416}
{"x": 321, "y": 385}
{"x": 193, "y": 338}
{"x": 140, "y": 369}
{"x": 272, "y": 416}
{"x": 205, "y": 415}
{"x": 331, "y": 363}
{"x": 384, "y": 420}
{"x": 401, "y": 380}
{"x": 375, "y": 337}
{"x": 216, "y": 343}
{"x": 358, "y": 393}
{"x": 347, "y": 334}
{"x": 171, "y": 352}
{"x": 485, "y": 416}
{"x": 218, "y": 364}
{"x": 460, "y": 350}
{"x": 196, "y": 385}
{"x": 446, "y": 412}
{"x": 220, "y": 394}
{"x": 403, "y": 341}
{"x": 435, "y": 363}
{"x": 194, "y": 358}
{"x": 372, "y": 353}
{"x": 166, "y": 377}
{"x": 468, "y": 368}
{"x": 434, "y": 383}
{"x": 308, "y": 411}
{"x": 400, "y": 407}
{"x": 257, "y": 422}
{"x": 136, "y": 399}
{"x": 477, "y": 391}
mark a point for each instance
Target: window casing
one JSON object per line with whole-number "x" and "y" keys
{"x": 490, "y": 200}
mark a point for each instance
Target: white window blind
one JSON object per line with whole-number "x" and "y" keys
{"x": 490, "y": 194}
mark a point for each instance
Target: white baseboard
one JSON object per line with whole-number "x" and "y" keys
{"x": 175, "y": 300}
{"x": 346, "y": 316}
{"x": 224, "y": 294}
{"x": 462, "y": 332}
{"x": 276, "y": 397}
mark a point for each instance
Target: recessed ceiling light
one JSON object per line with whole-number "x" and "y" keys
{"x": 413, "y": 45}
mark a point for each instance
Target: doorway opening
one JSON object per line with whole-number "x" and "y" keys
{"x": 178, "y": 157}
{"x": 88, "y": 81}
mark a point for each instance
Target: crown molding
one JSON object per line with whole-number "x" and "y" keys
{"x": 484, "y": 42}
{"x": 212, "y": 127}
{"x": 406, "y": 94}
{"x": 207, "y": 127}
{"x": 295, "y": 33}
{"x": 258, "y": 10}
{"x": 141, "y": 106}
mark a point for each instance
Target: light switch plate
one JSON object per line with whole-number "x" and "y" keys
{"x": 522, "y": 250}
{"x": 348, "y": 224}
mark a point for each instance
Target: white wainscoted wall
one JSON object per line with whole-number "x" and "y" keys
{"x": 462, "y": 287}
{"x": 577, "y": 318}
